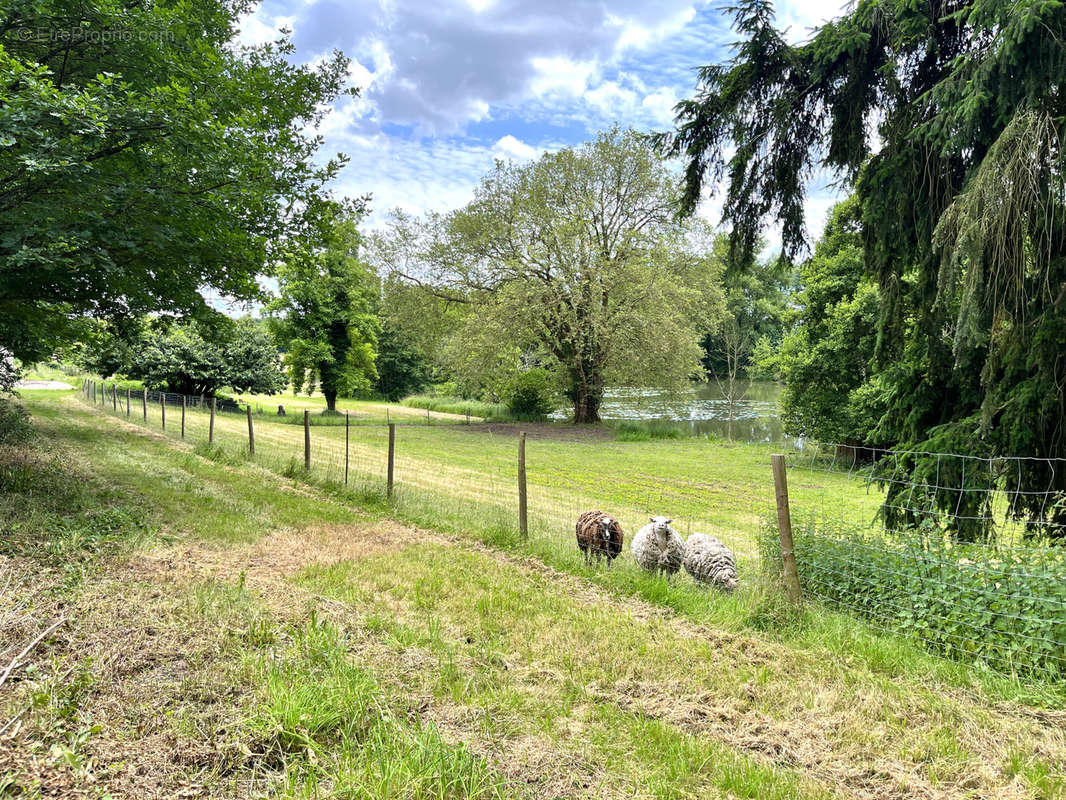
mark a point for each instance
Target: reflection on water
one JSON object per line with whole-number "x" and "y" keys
{"x": 706, "y": 408}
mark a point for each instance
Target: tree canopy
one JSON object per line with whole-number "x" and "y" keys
{"x": 948, "y": 119}
{"x": 190, "y": 357}
{"x": 324, "y": 316}
{"x": 146, "y": 156}
{"x": 575, "y": 262}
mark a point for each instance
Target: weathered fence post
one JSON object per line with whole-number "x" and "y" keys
{"x": 307, "y": 439}
{"x": 345, "y": 448}
{"x": 251, "y": 432}
{"x": 211, "y": 424}
{"x": 127, "y": 402}
{"x": 94, "y": 392}
{"x": 523, "y": 522}
{"x": 144, "y": 405}
{"x": 114, "y": 398}
{"x": 784, "y": 529}
{"x": 392, "y": 457}
{"x": 163, "y": 409}
{"x": 183, "y": 416}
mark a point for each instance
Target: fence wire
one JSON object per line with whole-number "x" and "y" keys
{"x": 962, "y": 553}
{"x": 966, "y": 554}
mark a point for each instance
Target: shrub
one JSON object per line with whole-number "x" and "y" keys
{"x": 15, "y": 424}
{"x": 1005, "y": 606}
{"x": 530, "y": 394}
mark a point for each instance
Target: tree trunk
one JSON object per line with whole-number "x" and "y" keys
{"x": 331, "y": 399}
{"x": 587, "y": 400}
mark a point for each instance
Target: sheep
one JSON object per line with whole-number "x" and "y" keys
{"x": 598, "y": 535}
{"x": 709, "y": 561}
{"x": 658, "y": 548}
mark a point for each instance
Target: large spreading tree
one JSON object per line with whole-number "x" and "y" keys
{"x": 948, "y": 118}
{"x": 146, "y": 157}
{"x": 575, "y": 262}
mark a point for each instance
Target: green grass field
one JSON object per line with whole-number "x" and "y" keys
{"x": 236, "y": 628}
{"x": 720, "y": 488}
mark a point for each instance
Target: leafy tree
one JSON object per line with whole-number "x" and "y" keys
{"x": 827, "y": 360}
{"x": 324, "y": 317}
{"x": 402, "y": 370}
{"x": 200, "y": 357}
{"x": 575, "y": 262}
{"x": 757, "y": 308}
{"x": 949, "y": 118}
{"x": 531, "y": 394}
{"x": 146, "y": 156}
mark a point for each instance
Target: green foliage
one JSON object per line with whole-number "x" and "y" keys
{"x": 1001, "y": 606}
{"x": 200, "y": 357}
{"x": 146, "y": 157}
{"x": 15, "y": 426}
{"x": 826, "y": 361}
{"x": 757, "y": 313}
{"x": 950, "y": 124}
{"x": 401, "y": 367}
{"x": 10, "y": 374}
{"x": 323, "y": 317}
{"x": 575, "y": 261}
{"x": 531, "y": 394}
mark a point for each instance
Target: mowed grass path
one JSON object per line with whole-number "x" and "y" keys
{"x": 713, "y": 487}
{"x": 275, "y": 638}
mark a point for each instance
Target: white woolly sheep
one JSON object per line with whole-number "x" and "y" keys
{"x": 658, "y": 548}
{"x": 709, "y": 561}
{"x": 599, "y": 535}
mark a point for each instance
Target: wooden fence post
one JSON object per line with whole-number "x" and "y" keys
{"x": 251, "y": 432}
{"x": 114, "y": 398}
{"x": 127, "y": 402}
{"x": 94, "y": 392}
{"x": 392, "y": 457}
{"x": 183, "y": 416}
{"x": 211, "y": 424}
{"x": 784, "y": 529}
{"x": 523, "y": 522}
{"x": 307, "y": 439}
{"x": 144, "y": 404}
{"x": 345, "y": 448}
{"x": 163, "y": 409}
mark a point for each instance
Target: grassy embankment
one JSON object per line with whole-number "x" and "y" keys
{"x": 272, "y": 635}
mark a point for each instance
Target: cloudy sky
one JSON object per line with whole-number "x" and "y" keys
{"x": 449, "y": 85}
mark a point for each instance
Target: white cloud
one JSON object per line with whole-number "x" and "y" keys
{"x": 508, "y": 147}
{"x": 559, "y": 74}
{"x": 660, "y": 105}
{"x": 259, "y": 28}
{"x": 800, "y": 17}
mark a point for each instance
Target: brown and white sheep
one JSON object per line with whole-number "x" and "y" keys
{"x": 599, "y": 535}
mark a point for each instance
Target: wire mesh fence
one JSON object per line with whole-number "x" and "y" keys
{"x": 963, "y": 554}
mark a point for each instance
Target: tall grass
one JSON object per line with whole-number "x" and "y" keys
{"x": 457, "y": 405}
{"x": 328, "y": 722}
{"x": 647, "y": 430}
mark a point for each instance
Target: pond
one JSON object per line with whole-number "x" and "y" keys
{"x": 705, "y": 407}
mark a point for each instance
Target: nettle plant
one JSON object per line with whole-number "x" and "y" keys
{"x": 1001, "y": 605}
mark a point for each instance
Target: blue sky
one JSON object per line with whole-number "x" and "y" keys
{"x": 449, "y": 86}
